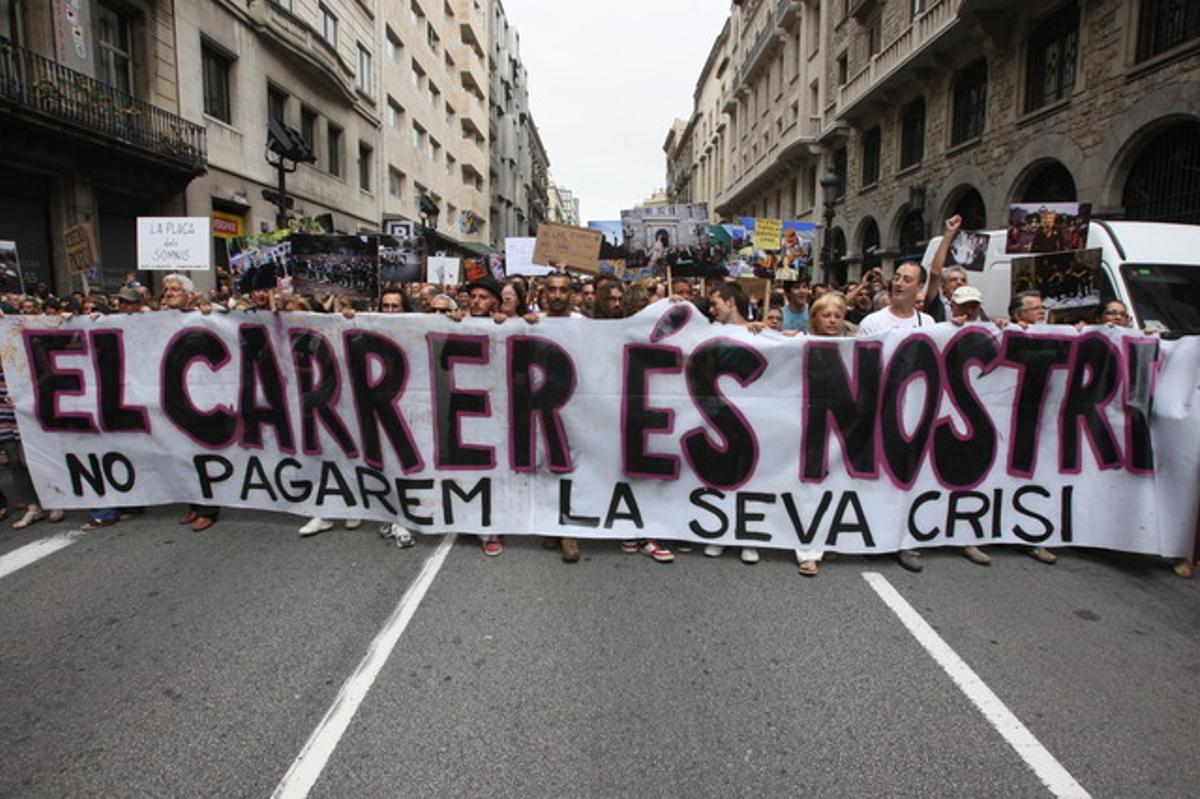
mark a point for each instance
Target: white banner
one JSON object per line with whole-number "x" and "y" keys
{"x": 662, "y": 425}
{"x": 174, "y": 242}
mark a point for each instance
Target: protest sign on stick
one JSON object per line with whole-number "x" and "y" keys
{"x": 565, "y": 245}
{"x": 174, "y": 243}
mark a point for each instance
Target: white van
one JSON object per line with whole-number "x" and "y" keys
{"x": 1152, "y": 267}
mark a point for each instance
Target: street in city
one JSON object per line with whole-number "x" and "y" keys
{"x": 146, "y": 659}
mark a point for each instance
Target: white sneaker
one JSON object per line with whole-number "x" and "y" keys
{"x": 404, "y": 537}
{"x": 749, "y": 555}
{"x": 316, "y": 525}
{"x": 713, "y": 550}
{"x": 353, "y": 524}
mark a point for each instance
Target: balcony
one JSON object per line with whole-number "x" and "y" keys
{"x": 884, "y": 69}
{"x": 60, "y": 96}
{"x": 471, "y": 83}
{"x": 773, "y": 34}
{"x": 308, "y": 46}
{"x": 798, "y": 138}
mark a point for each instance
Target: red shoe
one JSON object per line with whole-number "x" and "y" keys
{"x": 629, "y": 547}
{"x": 492, "y": 546}
{"x": 658, "y": 552}
{"x": 189, "y": 517}
{"x": 203, "y": 523}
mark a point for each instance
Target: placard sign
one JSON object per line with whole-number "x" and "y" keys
{"x": 82, "y": 253}
{"x": 173, "y": 243}
{"x": 566, "y": 245}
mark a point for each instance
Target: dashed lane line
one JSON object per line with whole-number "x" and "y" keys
{"x": 31, "y": 553}
{"x": 1044, "y": 765}
{"x": 311, "y": 761}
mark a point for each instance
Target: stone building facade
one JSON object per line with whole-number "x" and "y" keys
{"x": 94, "y": 130}
{"x": 936, "y": 107}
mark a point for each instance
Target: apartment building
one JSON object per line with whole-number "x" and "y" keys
{"x": 913, "y": 110}
{"x": 93, "y": 130}
{"x": 964, "y": 106}
{"x": 564, "y": 205}
{"x": 315, "y": 66}
{"x": 435, "y": 112}
{"x": 518, "y": 188}
{"x": 751, "y": 146}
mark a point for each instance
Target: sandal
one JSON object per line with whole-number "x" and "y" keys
{"x": 32, "y": 516}
{"x": 96, "y": 524}
{"x": 56, "y": 516}
{"x": 809, "y": 568}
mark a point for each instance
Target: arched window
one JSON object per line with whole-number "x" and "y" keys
{"x": 969, "y": 205}
{"x": 1164, "y": 184}
{"x": 1050, "y": 184}
{"x": 912, "y": 235}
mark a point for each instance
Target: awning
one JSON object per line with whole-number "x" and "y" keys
{"x": 438, "y": 241}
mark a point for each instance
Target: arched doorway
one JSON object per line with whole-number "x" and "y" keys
{"x": 1164, "y": 183}
{"x": 1051, "y": 183}
{"x": 868, "y": 244}
{"x": 968, "y": 204}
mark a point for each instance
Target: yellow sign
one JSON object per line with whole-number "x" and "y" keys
{"x": 228, "y": 226}
{"x": 767, "y": 234}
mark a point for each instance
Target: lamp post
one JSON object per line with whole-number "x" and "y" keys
{"x": 287, "y": 144}
{"x": 830, "y": 183}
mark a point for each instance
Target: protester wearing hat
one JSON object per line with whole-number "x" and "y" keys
{"x": 966, "y": 305}
{"x": 130, "y": 300}
{"x": 485, "y": 296}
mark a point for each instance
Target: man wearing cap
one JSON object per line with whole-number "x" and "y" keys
{"x": 130, "y": 300}
{"x": 966, "y": 305}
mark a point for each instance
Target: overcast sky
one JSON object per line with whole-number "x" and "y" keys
{"x": 606, "y": 79}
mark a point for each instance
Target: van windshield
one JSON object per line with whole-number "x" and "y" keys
{"x": 1166, "y": 296}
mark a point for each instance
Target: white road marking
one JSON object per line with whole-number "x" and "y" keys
{"x": 311, "y": 761}
{"x": 32, "y": 553}
{"x": 1037, "y": 757}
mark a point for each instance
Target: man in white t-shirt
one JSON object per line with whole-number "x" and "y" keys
{"x": 907, "y": 285}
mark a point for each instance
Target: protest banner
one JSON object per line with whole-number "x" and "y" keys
{"x": 661, "y": 425}
{"x": 261, "y": 261}
{"x": 174, "y": 243}
{"x": 673, "y": 236}
{"x": 82, "y": 253}
{"x": 768, "y": 233}
{"x": 1047, "y": 227}
{"x": 518, "y": 257}
{"x": 441, "y": 271}
{"x": 11, "y": 279}
{"x": 331, "y": 264}
{"x": 568, "y": 246}
{"x": 1066, "y": 280}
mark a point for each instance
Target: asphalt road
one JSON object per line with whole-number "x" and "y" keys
{"x": 148, "y": 660}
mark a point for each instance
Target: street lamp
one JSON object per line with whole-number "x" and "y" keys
{"x": 287, "y": 144}
{"x": 830, "y": 183}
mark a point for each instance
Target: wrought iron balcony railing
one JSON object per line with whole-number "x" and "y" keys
{"x": 34, "y": 83}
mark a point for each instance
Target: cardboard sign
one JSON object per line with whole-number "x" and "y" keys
{"x": 441, "y": 271}
{"x": 565, "y": 245}
{"x": 168, "y": 243}
{"x": 82, "y": 253}
{"x": 767, "y": 234}
{"x": 758, "y": 287}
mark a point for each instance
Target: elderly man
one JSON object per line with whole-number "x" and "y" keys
{"x": 176, "y": 292}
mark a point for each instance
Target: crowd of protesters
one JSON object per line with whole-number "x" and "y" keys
{"x": 912, "y": 298}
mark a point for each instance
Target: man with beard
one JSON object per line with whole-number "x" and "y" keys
{"x": 557, "y": 296}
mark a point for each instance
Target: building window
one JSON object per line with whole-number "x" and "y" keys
{"x": 395, "y": 182}
{"x": 276, "y": 104}
{"x": 416, "y": 15}
{"x": 364, "y": 70}
{"x": 970, "y": 103}
{"x": 912, "y": 134}
{"x": 395, "y": 114}
{"x": 435, "y": 96}
{"x": 918, "y": 7}
{"x": 394, "y": 48}
{"x": 114, "y": 51}
{"x": 450, "y": 162}
{"x": 215, "y": 75}
{"x": 433, "y": 39}
{"x": 333, "y": 139}
{"x": 843, "y": 69}
{"x": 874, "y": 35}
{"x": 1166, "y": 24}
{"x": 308, "y": 127}
{"x": 329, "y": 25}
{"x": 364, "y": 166}
{"x": 435, "y": 149}
{"x": 418, "y": 138}
{"x": 1053, "y": 48}
{"x": 283, "y": 4}
{"x": 417, "y": 76}
{"x": 814, "y": 28}
{"x": 870, "y": 156}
